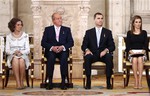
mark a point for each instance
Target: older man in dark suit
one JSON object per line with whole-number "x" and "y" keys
{"x": 98, "y": 45}
{"x": 57, "y": 40}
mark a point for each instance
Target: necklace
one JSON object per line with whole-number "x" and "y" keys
{"x": 17, "y": 35}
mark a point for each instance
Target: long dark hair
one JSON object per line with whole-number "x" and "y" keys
{"x": 132, "y": 23}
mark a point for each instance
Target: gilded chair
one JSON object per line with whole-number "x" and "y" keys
{"x": 127, "y": 67}
{"x": 6, "y": 69}
{"x": 69, "y": 83}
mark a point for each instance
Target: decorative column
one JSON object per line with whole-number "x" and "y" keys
{"x": 118, "y": 22}
{"x": 37, "y": 28}
{"x": 84, "y": 8}
{"x": 37, "y": 33}
{"x": 83, "y": 23}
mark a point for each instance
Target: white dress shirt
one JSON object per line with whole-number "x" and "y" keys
{"x": 98, "y": 34}
{"x": 57, "y": 32}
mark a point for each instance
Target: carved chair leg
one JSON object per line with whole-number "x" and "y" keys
{"x": 84, "y": 82}
{"x": 7, "y": 77}
{"x": 112, "y": 81}
{"x": 32, "y": 82}
{"x": 43, "y": 77}
{"x": 43, "y": 72}
{"x": 71, "y": 77}
{"x": 27, "y": 78}
{"x": 84, "y": 78}
{"x": 32, "y": 77}
{"x": 124, "y": 78}
{"x": 147, "y": 77}
{"x": 70, "y": 73}
{"x": 3, "y": 81}
{"x": 128, "y": 76}
{"x": 3, "y": 78}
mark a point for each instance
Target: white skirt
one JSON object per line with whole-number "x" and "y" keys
{"x": 130, "y": 58}
{"x": 24, "y": 56}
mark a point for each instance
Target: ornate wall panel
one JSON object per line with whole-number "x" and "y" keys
{"x": 6, "y": 13}
{"x": 142, "y": 8}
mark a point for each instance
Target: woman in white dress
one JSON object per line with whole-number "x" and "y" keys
{"x": 17, "y": 49}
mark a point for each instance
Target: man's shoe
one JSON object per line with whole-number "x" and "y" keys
{"x": 49, "y": 87}
{"x": 109, "y": 86}
{"x": 63, "y": 86}
{"x": 87, "y": 87}
{"x": 88, "y": 84}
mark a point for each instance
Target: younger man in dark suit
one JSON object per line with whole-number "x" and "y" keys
{"x": 57, "y": 40}
{"x": 98, "y": 45}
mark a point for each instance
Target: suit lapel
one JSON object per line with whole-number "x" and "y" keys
{"x": 54, "y": 33}
{"x": 94, "y": 37}
{"x": 102, "y": 37}
{"x": 61, "y": 33}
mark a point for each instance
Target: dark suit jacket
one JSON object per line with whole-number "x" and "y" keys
{"x": 90, "y": 41}
{"x": 49, "y": 38}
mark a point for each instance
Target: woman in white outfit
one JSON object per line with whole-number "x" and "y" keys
{"x": 17, "y": 49}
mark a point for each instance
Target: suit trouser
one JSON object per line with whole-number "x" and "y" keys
{"x": 62, "y": 56}
{"x": 107, "y": 59}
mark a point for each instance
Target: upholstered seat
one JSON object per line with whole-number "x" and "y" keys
{"x": 98, "y": 64}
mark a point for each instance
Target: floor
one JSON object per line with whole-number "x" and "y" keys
{"x": 98, "y": 88}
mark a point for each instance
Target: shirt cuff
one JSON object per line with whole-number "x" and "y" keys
{"x": 51, "y": 48}
{"x": 64, "y": 48}
{"x": 86, "y": 49}
{"x": 107, "y": 50}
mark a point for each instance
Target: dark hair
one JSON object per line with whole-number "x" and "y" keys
{"x": 12, "y": 23}
{"x": 132, "y": 23}
{"x": 98, "y": 13}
